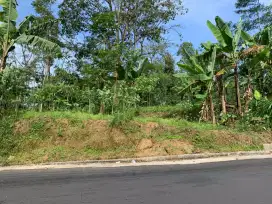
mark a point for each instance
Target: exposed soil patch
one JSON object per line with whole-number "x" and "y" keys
{"x": 225, "y": 138}
{"x": 144, "y": 144}
{"x": 21, "y": 127}
{"x": 149, "y": 127}
{"x": 167, "y": 147}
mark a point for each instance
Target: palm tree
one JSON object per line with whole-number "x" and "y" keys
{"x": 229, "y": 45}
{"x": 11, "y": 35}
{"x": 200, "y": 71}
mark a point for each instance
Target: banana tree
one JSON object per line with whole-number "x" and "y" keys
{"x": 200, "y": 72}
{"x": 229, "y": 46}
{"x": 10, "y": 35}
{"x": 258, "y": 56}
{"x": 259, "y": 46}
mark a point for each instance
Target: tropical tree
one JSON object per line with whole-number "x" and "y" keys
{"x": 220, "y": 78}
{"x": 258, "y": 59}
{"x": 229, "y": 47}
{"x": 200, "y": 72}
{"x": 46, "y": 15}
{"x": 11, "y": 35}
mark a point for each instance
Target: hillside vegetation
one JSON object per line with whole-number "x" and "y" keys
{"x": 113, "y": 79}
{"x": 65, "y": 136}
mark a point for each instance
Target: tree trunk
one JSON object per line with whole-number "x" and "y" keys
{"x": 204, "y": 113}
{"x": 222, "y": 94}
{"x": 248, "y": 97}
{"x": 247, "y": 106}
{"x": 3, "y": 63}
{"x": 212, "y": 114}
{"x": 102, "y": 108}
{"x": 48, "y": 64}
{"x": 237, "y": 89}
{"x": 41, "y": 107}
{"x": 223, "y": 100}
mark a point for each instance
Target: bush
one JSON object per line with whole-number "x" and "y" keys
{"x": 187, "y": 111}
{"x": 122, "y": 118}
{"x": 259, "y": 117}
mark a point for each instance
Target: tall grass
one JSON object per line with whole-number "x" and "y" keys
{"x": 66, "y": 115}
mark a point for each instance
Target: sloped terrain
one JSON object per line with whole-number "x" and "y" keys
{"x": 47, "y": 137}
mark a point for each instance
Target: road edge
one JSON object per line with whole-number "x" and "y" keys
{"x": 148, "y": 161}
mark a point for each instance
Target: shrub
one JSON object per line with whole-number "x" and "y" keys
{"x": 122, "y": 118}
{"x": 259, "y": 117}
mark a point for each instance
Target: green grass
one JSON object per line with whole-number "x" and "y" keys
{"x": 169, "y": 136}
{"x": 80, "y": 116}
{"x": 62, "y": 153}
{"x": 155, "y": 109}
{"x": 185, "y": 110}
{"x": 179, "y": 123}
{"x": 207, "y": 142}
{"x": 37, "y": 125}
{"x": 92, "y": 151}
{"x": 237, "y": 147}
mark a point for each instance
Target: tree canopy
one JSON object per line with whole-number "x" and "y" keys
{"x": 113, "y": 57}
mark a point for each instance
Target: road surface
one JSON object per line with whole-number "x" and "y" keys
{"x": 241, "y": 182}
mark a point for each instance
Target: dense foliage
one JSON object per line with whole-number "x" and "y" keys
{"x": 109, "y": 57}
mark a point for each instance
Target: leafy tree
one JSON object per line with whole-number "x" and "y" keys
{"x": 145, "y": 86}
{"x": 221, "y": 61}
{"x": 169, "y": 64}
{"x": 112, "y": 26}
{"x": 257, "y": 60}
{"x": 10, "y": 35}
{"x": 14, "y": 88}
{"x": 200, "y": 72}
{"x": 229, "y": 47}
{"x": 256, "y": 15}
{"x": 43, "y": 8}
{"x": 132, "y": 21}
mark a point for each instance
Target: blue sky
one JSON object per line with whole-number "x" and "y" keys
{"x": 193, "y": 24}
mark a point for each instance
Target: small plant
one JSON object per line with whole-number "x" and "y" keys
{"x": 228, "y": 118}
{"x": 37, "y": 126}
{"x": 120, "y": 119}
{"x": 60, "y": 132}
{"x": 204, "y": 142}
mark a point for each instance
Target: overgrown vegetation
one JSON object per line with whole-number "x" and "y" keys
{"x": 109, "y": 61}
{"x": 33, "y": 137}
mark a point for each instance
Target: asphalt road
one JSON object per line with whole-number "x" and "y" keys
{"x": 241, "y": 182}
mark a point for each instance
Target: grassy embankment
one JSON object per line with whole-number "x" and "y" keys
{"x": 35, "y": 137}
